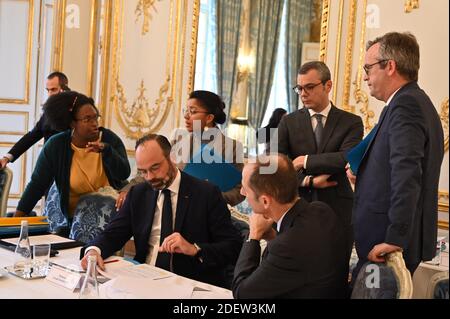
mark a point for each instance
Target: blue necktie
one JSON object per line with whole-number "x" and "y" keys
{"x": 163, "y": 259}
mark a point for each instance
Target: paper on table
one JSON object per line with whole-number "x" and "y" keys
{"x": 126, "y": 268}
{"x": 42, "y": 239}
{"x": 202, "y": 293}
{"x": 146, "y": 288}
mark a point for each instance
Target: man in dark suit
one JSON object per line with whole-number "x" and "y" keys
{"x": 178, "y": 222}
{"x": 57, "y": 82}
{"x": 316, "y": 138}
{"x": 306, "y": 256}
{"x": 396, "y": 191}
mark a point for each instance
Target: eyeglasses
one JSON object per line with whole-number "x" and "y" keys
{"x": 88, "y": 119}
{"x": 367, "y": 67}
{"x": 190, "y": 112}
{"x": 144, "y": 172}
{"x": 308, "y": 88}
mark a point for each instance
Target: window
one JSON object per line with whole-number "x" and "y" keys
{"x": 205, "y": 69}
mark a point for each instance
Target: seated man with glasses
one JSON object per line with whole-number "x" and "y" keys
{"x": 316, "y": 138}
{"x": 80, "y": 160}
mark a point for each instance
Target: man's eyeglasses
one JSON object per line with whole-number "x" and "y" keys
{"x": 88, "y": 119}
{"x": 367, "y": 67}
{"x": 190, "y": 112}
{"x": 308, "y": 88}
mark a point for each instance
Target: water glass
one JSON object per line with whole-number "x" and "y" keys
{"x": 41, "y": 256}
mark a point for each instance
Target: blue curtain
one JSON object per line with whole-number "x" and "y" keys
{"x": 265, "y": 25}
{"x": 298, "y": 29}
{"x": 228, "y": 18}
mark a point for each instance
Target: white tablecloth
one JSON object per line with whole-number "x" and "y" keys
{"x": 12, "y": 287}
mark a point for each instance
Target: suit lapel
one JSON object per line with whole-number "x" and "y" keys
{"x": 182, "y": 203}
{"x": 332, "y": 120}
{"x": 305, "y": 127}
{"x": 149, "y": 211}
{"x": 376, "y": 128}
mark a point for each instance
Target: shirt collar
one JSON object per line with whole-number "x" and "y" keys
{"x": 280, "y": 221}
{"x": 324, "y": 112}
{"x": 175, "y": 186}
{"x": 392, "y": 96}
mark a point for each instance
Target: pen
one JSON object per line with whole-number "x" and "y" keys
{"x": 111, "y": 261}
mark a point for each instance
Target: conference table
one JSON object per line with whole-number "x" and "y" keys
{"x": 12, "y": 287}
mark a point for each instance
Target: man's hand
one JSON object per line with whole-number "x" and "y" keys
{"x": 121, "y": 199}
{"x": 321, "y": 181}
{"x": 260, "y": 227}
{"x": 3, "y": 162}
{"x": 299, "y": 162}
{"x": 92, "y": 252}
{"x": 175, "y": 243}
{"x": 96, "y": 147}
{"x": 19, "y": 213}
{"x": 350, "y": 176}
{"x": 378, "y": 252}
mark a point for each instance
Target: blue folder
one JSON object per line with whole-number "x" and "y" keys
{"x": 356, "y": 154}
{"x": 213, "y": 169}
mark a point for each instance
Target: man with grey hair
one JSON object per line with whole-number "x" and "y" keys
{"x": 306, "y": 256}
{"x": 316, "y": 138}
{"x": 396, "y": 190}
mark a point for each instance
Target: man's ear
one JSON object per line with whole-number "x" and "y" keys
{"x": 266, "y": 201}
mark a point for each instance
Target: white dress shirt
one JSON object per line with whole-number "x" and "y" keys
{"x": 155, "y": 233}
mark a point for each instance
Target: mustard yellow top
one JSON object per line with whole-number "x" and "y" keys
{"x": 86, "y": 175}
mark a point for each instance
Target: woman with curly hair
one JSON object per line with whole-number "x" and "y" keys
{"x": 79, "y": 160}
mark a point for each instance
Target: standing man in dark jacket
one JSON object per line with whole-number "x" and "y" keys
{"x": 396, "y": 191}
{"x": 57, "y": 82}
{"x": 316, "y": 138}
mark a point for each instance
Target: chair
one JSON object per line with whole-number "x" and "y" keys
{"x": 52, "y": 209}
{"x": 438, "y": 286}
{"x": 93, "y": 212}
{"x": 390, "y": 280}
{"x": 6, "y": 176}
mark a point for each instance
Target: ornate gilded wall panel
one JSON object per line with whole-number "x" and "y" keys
{"x": 152, "y": 71}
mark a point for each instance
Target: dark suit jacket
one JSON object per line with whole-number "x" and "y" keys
{"x": 41, "y": 130}
{"x": 307, "y": 259}
{"x": 396, "y": 191}
{"x": 202, "y": 217}
{"x": 342, "y": 131}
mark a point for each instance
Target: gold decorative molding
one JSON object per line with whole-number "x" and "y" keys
{"x": 193, "y": 50}
{"x": 92, "y": 43}
{"x": 131, "y": 118}
{"x": 443, "y": 207}
{"x": 105, "y": 53}
{"x": 349, "y": 57}
{"x": 324, "y": 30}
{"x": 58, "y": 35}
{"x": 141, "y": 117}
{"x": 338, "y": 49}
{"x": 143, "y": 8}
{"x": 410, "y": 5}
{"x": 444, "y": 120}
{"x": 28, "y": 55}
{"x": 25, "y": 122}
{"x": 180, "y": 65}
{"x": 360, "y": 96}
